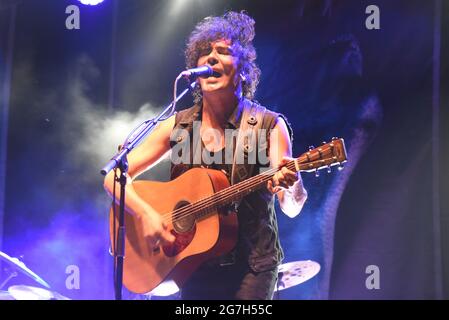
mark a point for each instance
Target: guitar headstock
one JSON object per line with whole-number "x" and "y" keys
{"x": 324, "y": 157}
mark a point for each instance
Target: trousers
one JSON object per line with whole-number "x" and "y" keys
{"x": 230, "y": 282}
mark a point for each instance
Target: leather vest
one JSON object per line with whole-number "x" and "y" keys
{"x": 258, "y": 230}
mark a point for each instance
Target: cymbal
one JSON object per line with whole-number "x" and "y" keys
{"x": 5, "y": 295}
{"x": 293, "y": 273}
{"x": 20, "y": 266}
{"x": 21, "y": 292}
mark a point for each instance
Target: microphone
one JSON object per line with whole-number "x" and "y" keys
{"x": 204, "y": 71}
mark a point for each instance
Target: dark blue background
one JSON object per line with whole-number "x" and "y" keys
{"x": 320, "y": 66}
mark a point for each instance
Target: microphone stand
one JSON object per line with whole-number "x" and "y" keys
{"x": 119, "y": 161}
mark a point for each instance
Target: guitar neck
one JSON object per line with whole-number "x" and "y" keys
{"x": 330, "y": 154}
{"x": 232, "y": 194}
{"x": 237, "y": 191}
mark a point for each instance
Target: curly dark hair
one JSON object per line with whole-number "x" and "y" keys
{"x": 239, "y": 29}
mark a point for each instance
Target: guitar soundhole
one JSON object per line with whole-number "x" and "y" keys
{"x": 183, "y": 222}
{"x": 184, "y": 229}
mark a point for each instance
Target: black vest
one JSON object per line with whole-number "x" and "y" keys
{"x": 258, "y": 230}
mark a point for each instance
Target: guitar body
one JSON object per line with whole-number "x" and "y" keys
{"x": 197, "y": 239}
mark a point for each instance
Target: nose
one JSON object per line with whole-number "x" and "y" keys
{"x": 211, "y": 59}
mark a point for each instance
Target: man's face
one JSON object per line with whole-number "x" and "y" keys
{"x": 224, "y": 63}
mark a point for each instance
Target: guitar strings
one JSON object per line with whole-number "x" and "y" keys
{"x": 214, "y": 200}
{"x": 204, "y": 204}
{"x": 222, "y": 195}
{"x": 209, "y": 202}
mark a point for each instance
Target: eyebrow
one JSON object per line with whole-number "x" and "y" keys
{"x": 229, "y": 48}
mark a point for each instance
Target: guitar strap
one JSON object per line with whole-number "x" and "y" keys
{"x": 245, "y": 151}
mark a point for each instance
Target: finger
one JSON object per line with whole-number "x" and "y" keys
{"x": 281, "y": 184}
{"x": 283, "y": 181}
{"x": 291, "y": 180}
{"x": 290, "y": 176}
{"x": 153, "y": 242}
{"x": 285, "y": 160}
{"x": 293, "y": 175}
{"x": 286, "y": 171}
{"x": 167, "y": 237}
{"x": 165, "y": 233}
{"x": 287, "y": 175}
{"x": 273, "y": 190}
{"x": 154, "y": 239}
{"x": 276, "y": 178}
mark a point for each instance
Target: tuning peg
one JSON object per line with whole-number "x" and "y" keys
{"x": 340, "y": 167}
{"x": 317, "y": 173}
{"x": 323, "y": 143}
{"x": 311, "y": 148}
{"x": 334, "y": 138}
{"x": 329, "y": 170}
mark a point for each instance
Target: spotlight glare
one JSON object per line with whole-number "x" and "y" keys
{"x": 91, "y": 2}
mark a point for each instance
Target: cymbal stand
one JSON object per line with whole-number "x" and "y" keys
{"x": 12, "y": 274}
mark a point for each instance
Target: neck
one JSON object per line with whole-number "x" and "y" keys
{"x": 217, "y": 109}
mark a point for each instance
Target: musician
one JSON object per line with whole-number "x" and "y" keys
{"x": 249, "y": 271}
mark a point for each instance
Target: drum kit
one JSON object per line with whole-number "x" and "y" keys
{"x": 289, "y": 274}
{"x": 22, "y": 292}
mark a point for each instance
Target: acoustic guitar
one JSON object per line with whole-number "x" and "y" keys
{"x": 197, "y": 207}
